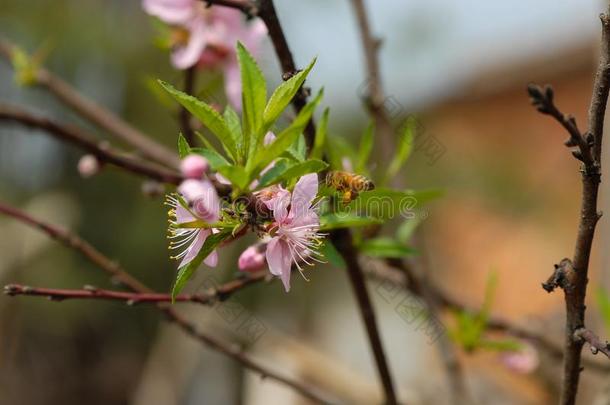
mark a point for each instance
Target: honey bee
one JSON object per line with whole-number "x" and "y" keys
{"x": 350, "y": 184}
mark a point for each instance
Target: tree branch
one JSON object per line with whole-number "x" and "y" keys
{"x": 96, "y": 113}
{"x": 375, "y": 97}
{"x": 74, "y": 242}
{"x": 574, "y": 283}
{"x": 79, "y": 137}
{"x": 593, "y": 340}
{"x": 342, "y": 239}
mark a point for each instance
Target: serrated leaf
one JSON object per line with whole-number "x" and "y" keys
{"x": 345, "y": 220}
{"x": 320, "y": 140}
{"x": 279, "y": 167}
{"x": 385, "y": 247}
{"x": 183, "y": 147}
{"x": 405, "y": 146}
{"x": 331, "y": 254}
{"x": 366, "y": 146}
{"x": 293, "y": 171}
{"x": 236, "y": 175}
{"x": 285, "y": 138}
{"x": 283, "y": 95}
{"x": 186, "y": 272}
{"x": 254, "y": 94}
{"x": 215, "y": 159}
{"x": 232, "y": 120}
{"x": 298, "y": 149}
{"x": 208, "y": 117}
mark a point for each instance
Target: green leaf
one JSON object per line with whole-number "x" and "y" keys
{"x": 603, "y": 302}
{"x": 406, "y": 229}
{"x": 385, "y": 247}
{"x": 345, "y": 220}
{"x": 215, "y": 159}
{"x": 254, "y": 93}
{"x": 387, "y": 203}
{"x": 186, "y": 272}
{"x": 405, "y": 147}
{"x": 207, "y": 115}
{"x": 232, "y": 120}
{"x": 292, "y": 171}
{"x": 279, "y": 167}
{"x": 366, "y": 146}
{"x": 183, "y": 147}
{"x": 236, "y": 175}
{"x": 298, "y": 149}
{"x": 283, "y": 94}
{"x": 284, "y": 139}
{"x": 320, "y": 140}
{"x": 332, "y": 255}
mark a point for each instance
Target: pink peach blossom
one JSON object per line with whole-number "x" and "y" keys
{"x": 203, "y": 206}
{"x": 252, "y": 259}
{"x": 295, "y": 236}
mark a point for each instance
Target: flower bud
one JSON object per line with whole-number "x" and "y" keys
{"x": 194, "y": 166}
{"x": 88, "y": 165}
{"x": 251, "y": 259}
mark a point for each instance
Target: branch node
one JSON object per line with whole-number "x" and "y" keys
{"x": 560, "y": 277}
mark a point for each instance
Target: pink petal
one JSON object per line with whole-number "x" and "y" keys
{"x": 186, "y": 56}
{"x": 303, "y": 194}
{"x": 279, "y": 260}
{"x": 212, "y": 259}
{"x": 170, "y": 11}
{"x": 183, "y": 215}
{"x": 233, "y": 84}
{"x": 203, "y": 197}
{"x": 269, "y": 138}
{"x": 195, "y": 247}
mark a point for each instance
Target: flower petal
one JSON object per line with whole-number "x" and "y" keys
{"x": 212, "y": 259}
{"x": 303, "y": 194}
{"x": 186, "y": 56}
{"x": 195, "y": 247}
{"x": 170, "y": 11}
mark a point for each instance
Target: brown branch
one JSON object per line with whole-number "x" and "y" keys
{"x": 375, "y": 97}
{"x": 246, "y": 6}
{"x": 79, "y": 137}
{"x": 72, "y": 241}
{"x": 575, "y": 280}
{"x": 342, "y": 240}
{"x": 96, "y": 113}
{"x": 593, "y": 340}
{"x": 220, "y": 293}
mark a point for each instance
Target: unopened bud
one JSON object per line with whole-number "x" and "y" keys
{"x": 194, "y": 166}
{"x": 251, "y": 259}
{"x": 88, "y": 165}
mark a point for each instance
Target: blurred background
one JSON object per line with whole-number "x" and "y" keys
{"x": 511, "y": 205}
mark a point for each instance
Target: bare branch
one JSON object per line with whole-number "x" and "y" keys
{"x": 375, "y": 95}
{"x": 79, "y": 137}
{"x": 342, "y": 239}
{"x": 72, "y": 241}
{"x": 575, "y": 286}
{"x": 97, "y": 114}
{"x": 593, "y": 340}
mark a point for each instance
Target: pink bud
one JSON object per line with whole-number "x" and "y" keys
{"x": 88, "y": 165}
{"x": 194, "y": 166}
{"x": 523, "y": 361}
{"x": 251, "y": 259}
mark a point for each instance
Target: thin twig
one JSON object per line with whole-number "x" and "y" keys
{"x": 96, "y": 113}
{"x": 72, "y": 241}
{"x": 594, "y": 341}
{"x": 375, "y": 96}
{"x": 574, "y": 283}
{"x": 79, "y": 137}
{"x": 342, "y": 240}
